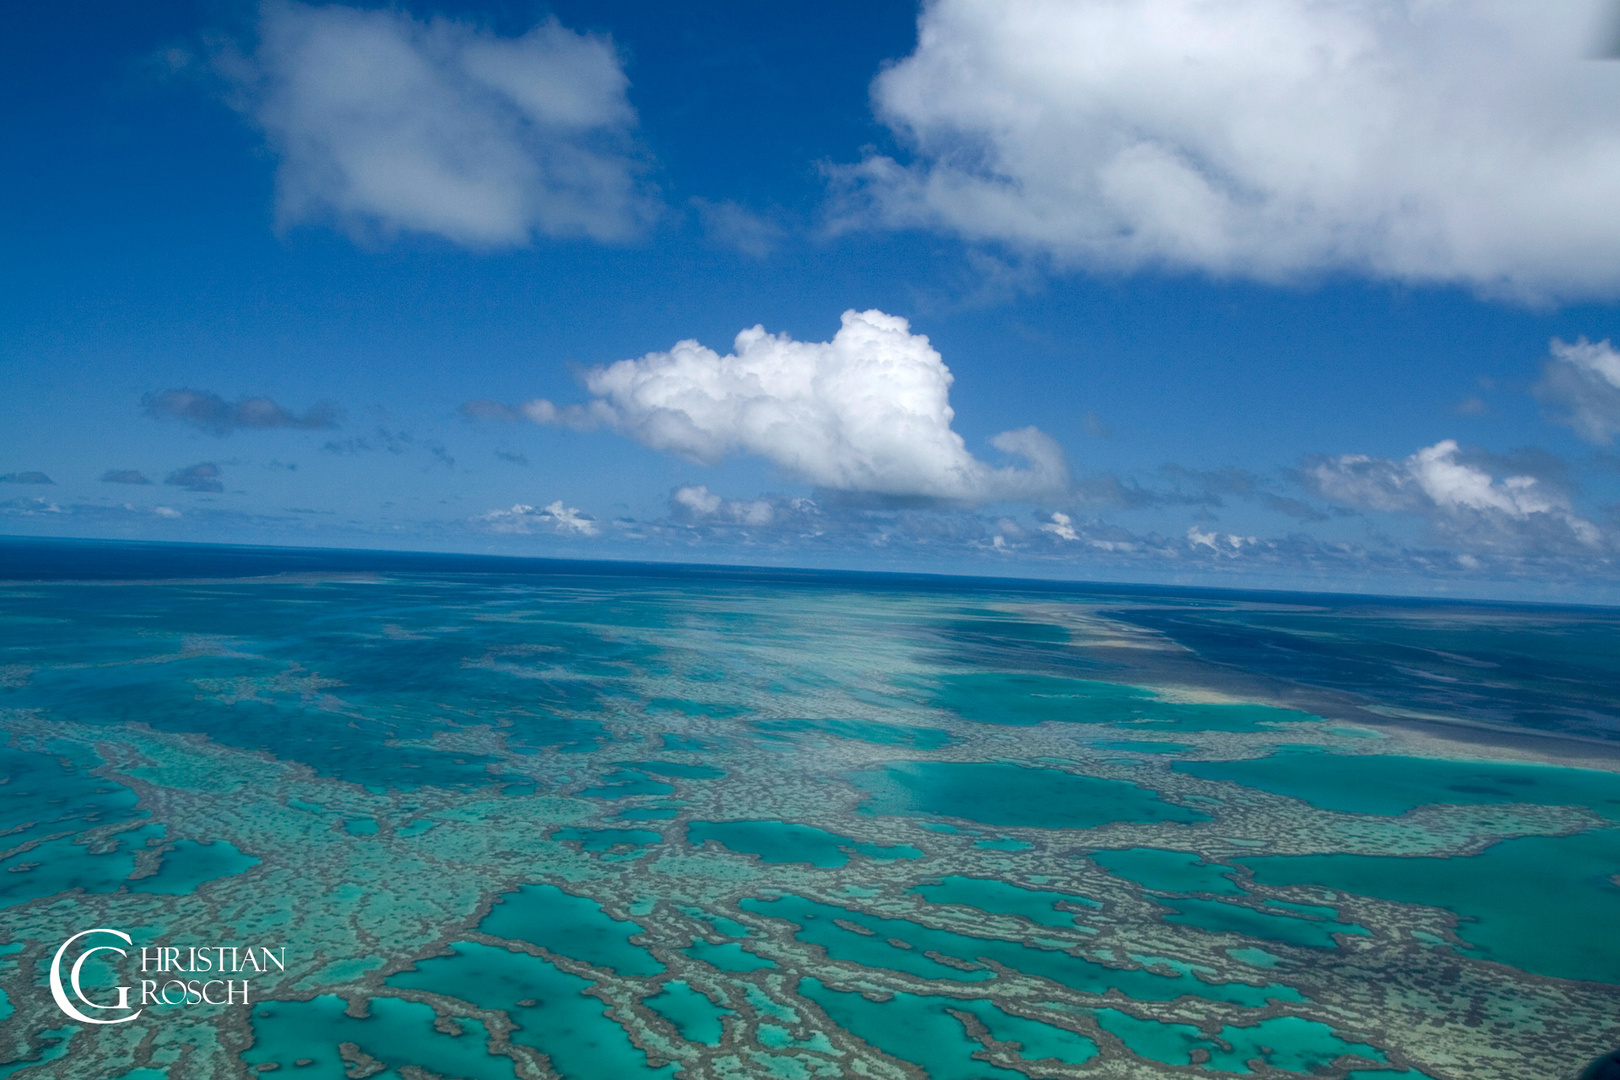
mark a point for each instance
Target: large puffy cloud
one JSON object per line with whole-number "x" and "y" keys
{"x": 867, "y": 412}
{"x": 1582, "y": 381}
{"x": 1421, "y": 140}
{"x": 386, "y": 123}
{"x": 1461, "y": 497}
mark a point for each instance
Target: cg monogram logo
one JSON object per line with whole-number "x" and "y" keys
{"x": 60, "y": 994}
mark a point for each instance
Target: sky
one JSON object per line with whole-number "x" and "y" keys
{"x": 1282, "y": 293}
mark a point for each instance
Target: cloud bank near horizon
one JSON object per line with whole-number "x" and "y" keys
{"x": 1461, "y": 499}
{"x": 1448, "y": 143}
{"x": 867, "y": 412}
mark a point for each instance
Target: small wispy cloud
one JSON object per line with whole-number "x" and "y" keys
{"x": 696, "y": 503}
{"x": 554, "y": 518}
{"x": 1581, "y": 380}
{"x": 485, "y": 409}
{"x": 390, "y": 441}
{"x": 213, "y": 414}
{"x": 1060, "y": 525}
{"x": 204, "y": 476}
{"x": 733, "y": 225}
{"x": 30, "y": 507}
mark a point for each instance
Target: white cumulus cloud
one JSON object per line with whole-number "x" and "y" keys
{"x": 1583, "y": 381}
{"x": 868, "y": 411}
{"x": 1466, "y": 141}
{"x": 385, "y": 123}
{"x": 1460, "y": 495}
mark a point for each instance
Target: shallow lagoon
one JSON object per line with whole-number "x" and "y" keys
{"x": 305, "y": 1036}
{"x": 783, "y": 842}
{"x": 549, "y": 1007}
{"x": 903, "y": 945}
{"x": 1543, "y": 904}
{"x": 705, "y": 825}
{"x": 1169, "y": 871}
{"x": 922, "y": 1030}
{"x": 1002, "y": 898}
{"x": 1394, "y": 784}
{"x": 572, "y": 926}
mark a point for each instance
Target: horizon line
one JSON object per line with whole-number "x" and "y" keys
{"x": 622, "y": 566}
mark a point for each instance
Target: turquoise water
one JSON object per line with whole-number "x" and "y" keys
{"x": 1154, "y": 1040}
{"x": 599, "y": 840}
{"x": 1001, "y": 794}
{"x": 574, "y": 926}
{"x": 1538, "y": 903}
{"x": 1222, "y": 917}
{"x": 1168, "y": 871}
{"x": 305, "y": 1035}
{"x": 693, "y": 1014}
{"x": 189, "y": 864}
{"x": 727, "y": 956}
{"x": 785, "y": 842}
{"x": 818, "y": 924}
{"x": 1287, "y": 1043}
{"x": 999, "y": 897}
{"x": 552, "y": 1012}
{"x": 921, "y": 1031}
{"x": 623, "y": 783}
{"x": 614, "y": 821}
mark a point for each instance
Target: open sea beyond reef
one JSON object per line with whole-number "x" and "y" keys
{"x": 500, "y": 818}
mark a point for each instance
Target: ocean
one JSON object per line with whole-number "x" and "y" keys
{"x": 340, "y": 814}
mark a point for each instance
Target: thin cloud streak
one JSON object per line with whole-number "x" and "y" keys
{"x": 211, "y": 413}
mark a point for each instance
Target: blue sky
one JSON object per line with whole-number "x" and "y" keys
{"x": 1291, "y": 292}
